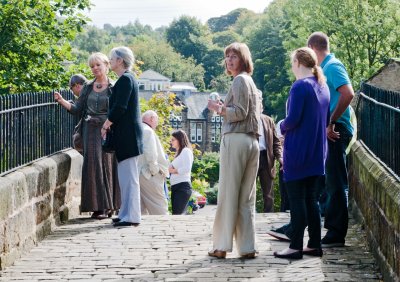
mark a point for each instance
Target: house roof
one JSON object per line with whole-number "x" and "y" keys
{"x": 153, "y": 75}
{"x": 387, "y": 77}
{"x": 196, "y": 104}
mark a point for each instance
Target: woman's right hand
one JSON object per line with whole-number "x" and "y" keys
{"x": 57, "y": 97}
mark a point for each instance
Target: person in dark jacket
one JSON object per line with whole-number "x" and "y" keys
{"x": 125, "y": 119}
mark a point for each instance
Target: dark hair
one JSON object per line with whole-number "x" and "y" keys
{"x": 183, "y": 140}
{"x": 77, "y": 79}
{"x": 244, "y": 54}
{"x": 307, "y": 57}
{"x": 319, "y": 41}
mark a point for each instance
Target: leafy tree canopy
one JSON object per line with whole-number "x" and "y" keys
{"x": 189, "y": 37}
{"x": 222, "y": 23}
{"x": 364, "y": 34}
{"x": 159, "y": 56}
{"x": 35, "y": 40}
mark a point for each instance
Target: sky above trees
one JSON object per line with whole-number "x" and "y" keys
{"x": 157, "y": 13}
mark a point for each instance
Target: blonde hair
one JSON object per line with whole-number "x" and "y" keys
{"x": 99, "y": 57}
{"x": 125, "y": 54}
{"x": 307, "y": 57}
{"x": 243, "y": 52}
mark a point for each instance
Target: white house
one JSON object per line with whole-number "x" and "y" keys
{"x": 151, "y": 80}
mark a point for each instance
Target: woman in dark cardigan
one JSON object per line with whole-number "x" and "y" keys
{"x": 100, "y": 191}
{"x": 124, "y": 117}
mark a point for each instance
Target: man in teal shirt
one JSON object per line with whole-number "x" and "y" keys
{"x": 339, "y": 133}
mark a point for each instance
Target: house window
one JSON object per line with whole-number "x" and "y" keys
{"x": 216, "y": 122}
{"x": 175, "y": 121}
{"x": 192, "y": 132}
{"x": 199, "y": 132}
{"x": 196, "y": 132}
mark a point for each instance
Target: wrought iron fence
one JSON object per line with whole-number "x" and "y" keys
{"x": 379, "y": 126}
{"x": 32, "y": 126}
{"x": 391, "y": 98}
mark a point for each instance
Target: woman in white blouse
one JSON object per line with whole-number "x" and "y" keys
{"x": 180, "y": 168}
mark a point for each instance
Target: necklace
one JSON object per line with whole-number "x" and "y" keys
{"x": 99, "y": 85}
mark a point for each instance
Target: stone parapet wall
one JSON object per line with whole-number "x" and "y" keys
{"x": 36, "y": 198}
{"x": 376, "y": 197}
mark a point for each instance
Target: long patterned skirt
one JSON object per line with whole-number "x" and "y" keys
{"x": 100, "y": 189}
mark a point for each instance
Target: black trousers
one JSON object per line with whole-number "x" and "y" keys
{"x": 180, "y": 195}
{"x": 304, "y": 210}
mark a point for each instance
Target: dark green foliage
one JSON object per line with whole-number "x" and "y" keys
{"x": 188, "y": 36}
{"x": 212, "y": 196}
{"x": 224, "y": 22}
{"x": 206, "y": 167}
{"x": 271, "y": 69}
{"x": 35, "y": 42}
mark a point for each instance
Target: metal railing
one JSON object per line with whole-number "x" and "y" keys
{"x": 379, "y": 128}
{"x": 389, "y": 97}
{"x": 32, "y": 126}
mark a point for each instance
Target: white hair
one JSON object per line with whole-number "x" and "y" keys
{"x": 125, "y": 54}
{"x": 149, "y": 114}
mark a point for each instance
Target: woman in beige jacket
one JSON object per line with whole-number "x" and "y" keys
{"x": 239, "y": 155}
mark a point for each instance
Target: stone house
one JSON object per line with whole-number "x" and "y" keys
{"x": 387, "y": 77}
{"x": 202, "y": 126}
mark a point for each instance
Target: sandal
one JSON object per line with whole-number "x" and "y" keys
{"x": 217, "y": 254}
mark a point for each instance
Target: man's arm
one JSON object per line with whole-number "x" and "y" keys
{"x": 346, "y": 95}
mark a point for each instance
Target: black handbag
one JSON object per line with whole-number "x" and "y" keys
{"x": 108, "y": 144}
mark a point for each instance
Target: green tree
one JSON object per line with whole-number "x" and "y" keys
{"x": 225, "y": 22}
{"x": 189, "y": 37}
{"x": 271, "y": 59}
{"x": 159, "y": 56}
{"x": 213, "y": 63}
{"x": 363, "y": 33}
{"x": 224, "y": 38}
{"x": 221, "y": 83}
{"x": 92, "y": 39}
{"x": 34, "y": 42}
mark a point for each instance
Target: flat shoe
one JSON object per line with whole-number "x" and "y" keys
{"x": 99, "y": 216}
{"x": 125, "y": 223}
{"x": 295, "y": 255}
{"x": 314, "y": 252}
{"x": 279, "y": 236}
{"x": 249, "y": 255}
{"x": 117, "y": 219}
{"x": 217, "y": 254}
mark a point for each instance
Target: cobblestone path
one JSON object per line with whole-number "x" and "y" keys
{"x": 174, "y": 248}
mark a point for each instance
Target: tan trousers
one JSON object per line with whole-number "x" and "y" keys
{"x": 235, "y": 217}
{"x": 152, "y": 196}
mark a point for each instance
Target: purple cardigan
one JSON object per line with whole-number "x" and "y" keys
{"x": 305, "y": 145}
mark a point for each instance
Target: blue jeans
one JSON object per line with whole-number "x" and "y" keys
{"x": 337, "y": 187}
{"x": 304, "y": 210}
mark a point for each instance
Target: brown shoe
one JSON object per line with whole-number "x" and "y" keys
{"x": 252, "y": 255}
{"x": 217, "y": 254}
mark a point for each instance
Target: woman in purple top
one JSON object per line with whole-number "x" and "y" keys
{"x": 305, "y": 151}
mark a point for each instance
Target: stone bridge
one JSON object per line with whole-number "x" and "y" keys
{"x": 43, "y": 237}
